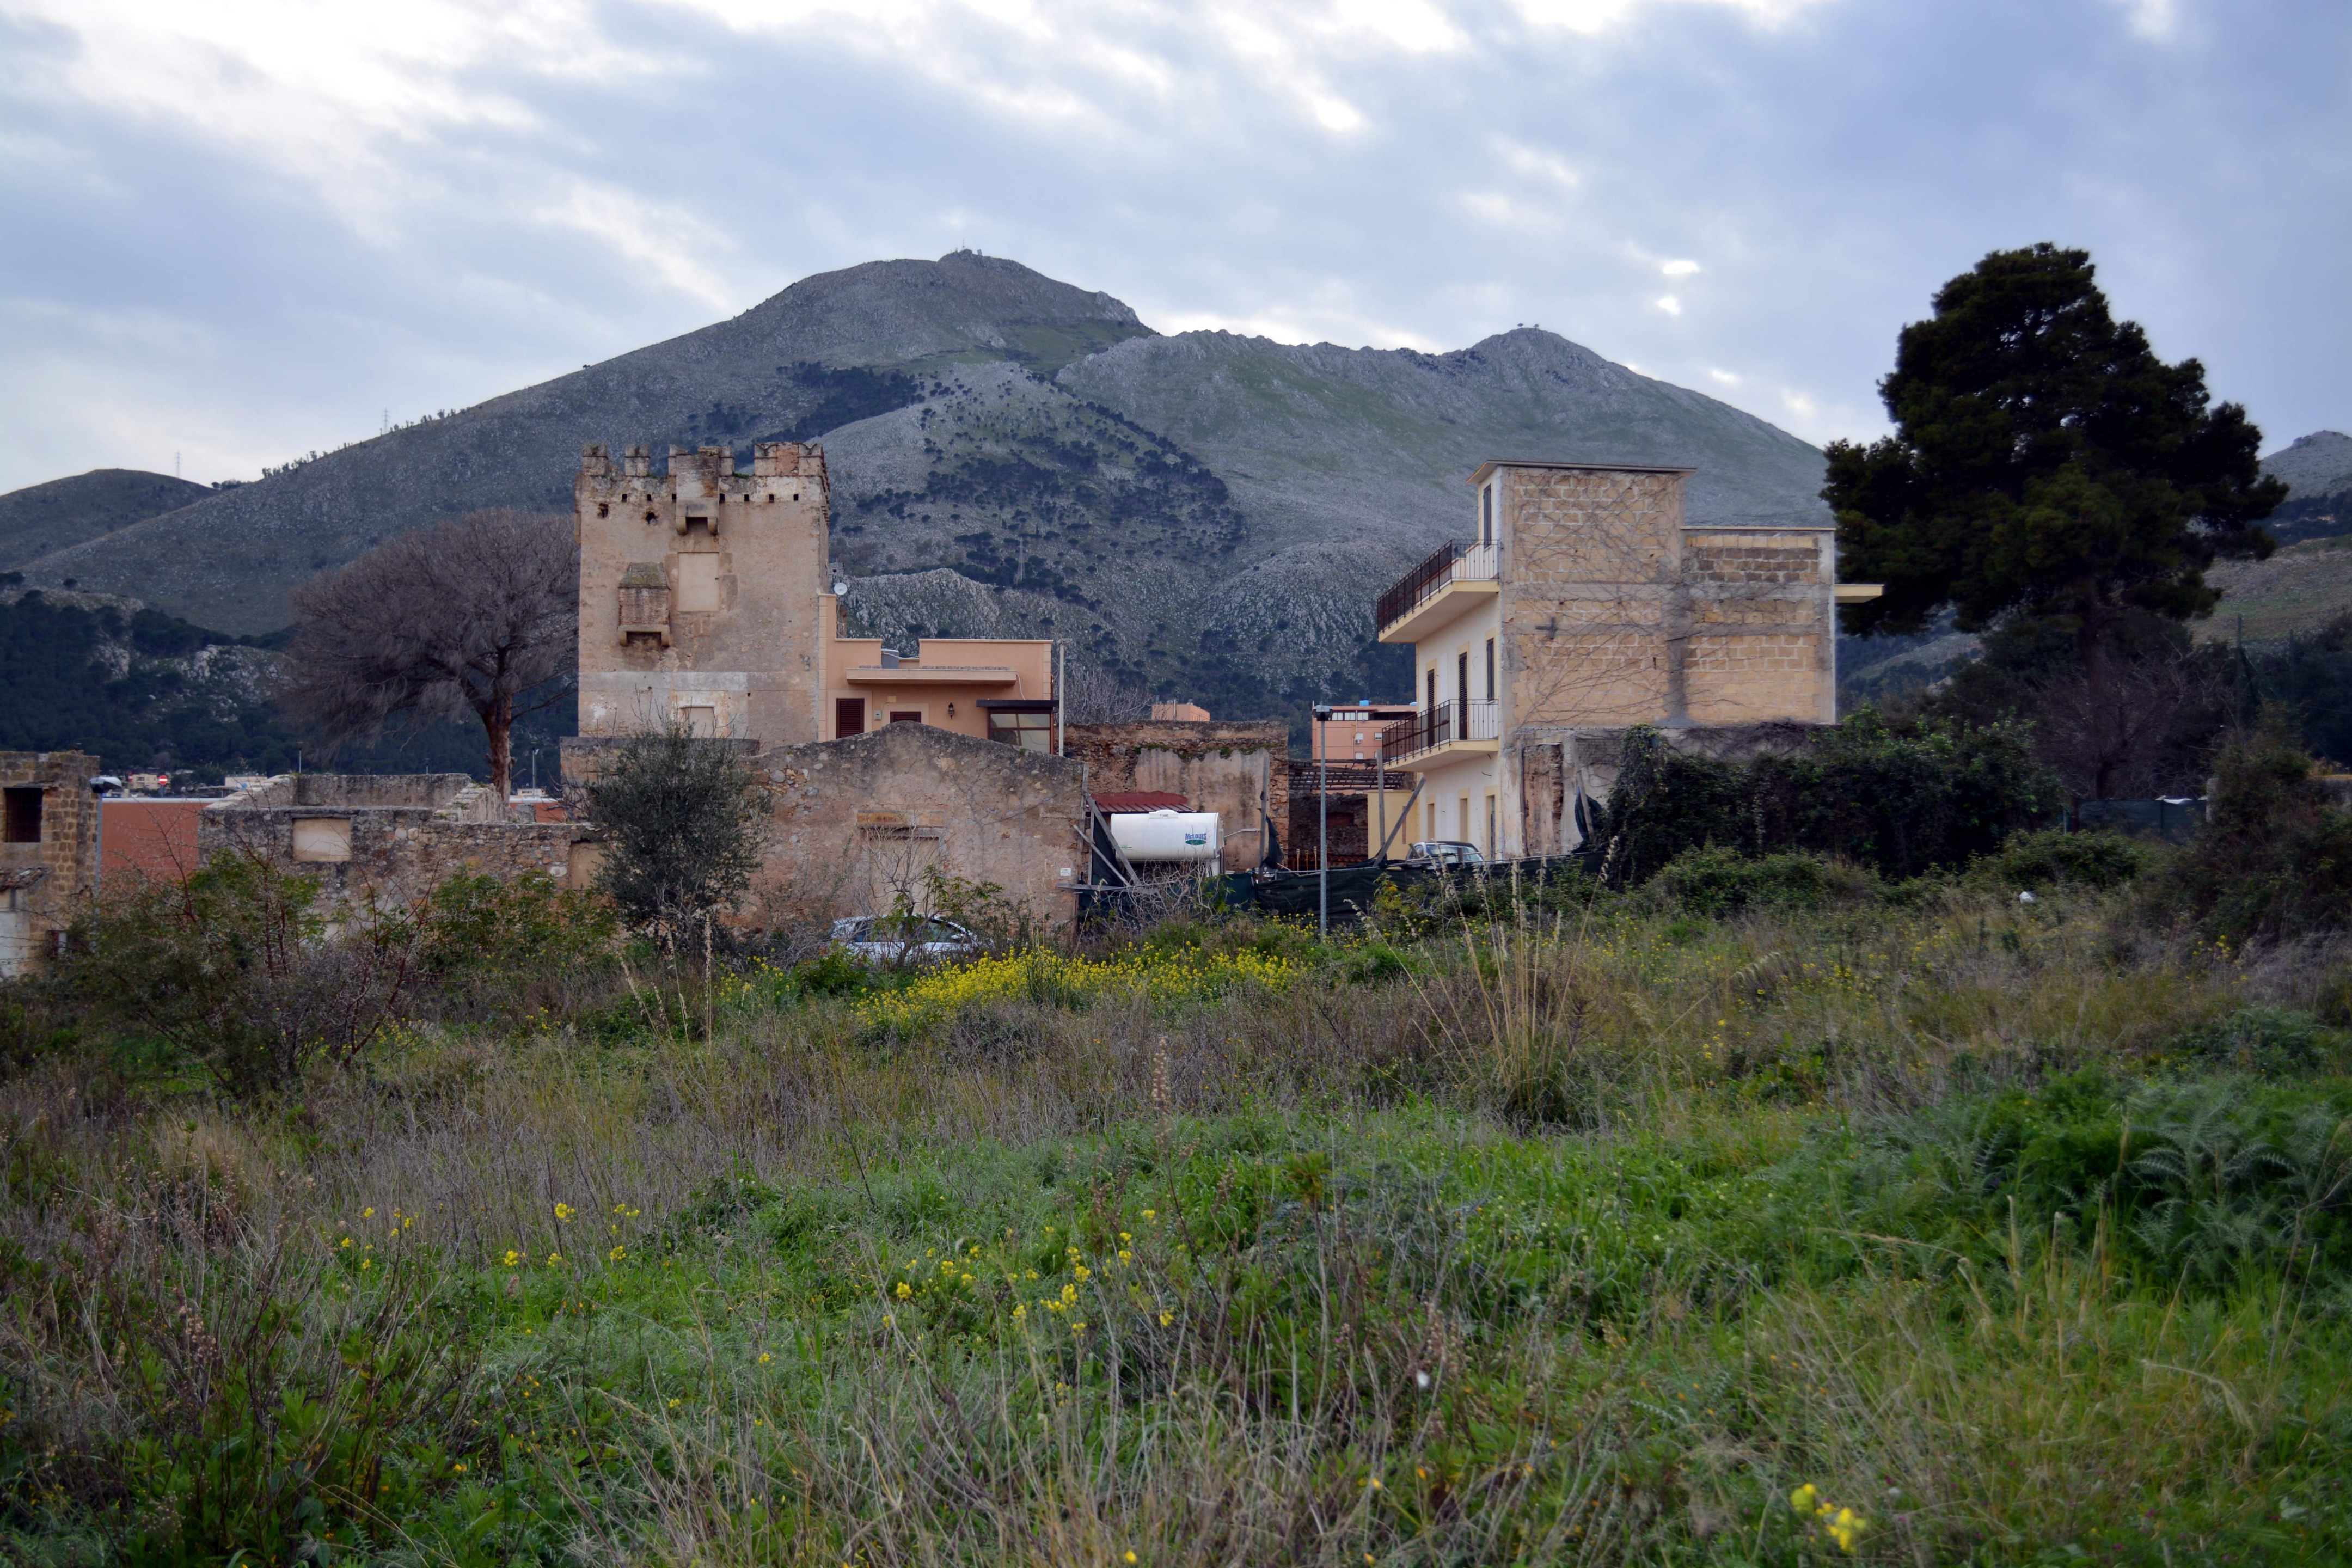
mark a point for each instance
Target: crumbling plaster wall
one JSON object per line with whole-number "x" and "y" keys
{"x": 45, "y": 884}
{"x": 858, "y": 820}
{"x": 1232, "y": 767}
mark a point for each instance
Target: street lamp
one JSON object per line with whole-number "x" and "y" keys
{"x": 1323, "y": 818}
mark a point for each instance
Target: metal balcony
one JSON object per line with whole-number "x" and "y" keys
{"x": 1451, "y": 564}
{"x": 1445, "y": 725}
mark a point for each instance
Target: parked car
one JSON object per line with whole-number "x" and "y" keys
{"x": 1444, "y": 852}
{"x": 906, "y": 938}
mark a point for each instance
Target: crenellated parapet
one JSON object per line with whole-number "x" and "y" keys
{"x": 702, "y": 589}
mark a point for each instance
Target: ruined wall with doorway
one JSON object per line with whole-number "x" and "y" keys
{"x": 1552, "y": 768}
{"x": 1232, "y": 767}
{"x": 859, "y": 821}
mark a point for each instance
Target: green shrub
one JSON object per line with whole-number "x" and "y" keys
{"x": 1899, "y": 799}
{"x": 500, "y": 947}
{"x": 684, "y": 822}
{"x": 235, "y": 968}
{"x": 1716, "y": 881}
{"x": 2275, "y": 859}
{"x": 2055, "y": 856}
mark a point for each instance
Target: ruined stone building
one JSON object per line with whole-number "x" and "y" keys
{"x": 48, "y": 852}
{"x": 707, "y": 601}
{"x": 1582, "y": 603}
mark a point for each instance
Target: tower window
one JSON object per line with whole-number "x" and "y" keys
{"x": 603, "y": 508}
{"x": 24, "y": 816}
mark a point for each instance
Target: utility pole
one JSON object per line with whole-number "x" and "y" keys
{"x": 1322, "y": 822}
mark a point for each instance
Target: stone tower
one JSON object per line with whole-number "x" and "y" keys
{"x": 703, "y": 592}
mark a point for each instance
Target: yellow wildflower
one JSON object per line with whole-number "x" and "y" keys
{"x": 564, "y": 1213}
{"x": 513, "y": 1257}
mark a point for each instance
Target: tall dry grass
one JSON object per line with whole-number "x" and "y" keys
{"x": 207, "y": 1232}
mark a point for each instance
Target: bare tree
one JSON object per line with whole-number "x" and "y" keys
{"x": 481, "y": 615}
{"x": 1096, "y": 694}
{"x": 2144, "y": 731}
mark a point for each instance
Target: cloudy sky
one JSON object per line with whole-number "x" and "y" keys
{"x": 243, "y": 229}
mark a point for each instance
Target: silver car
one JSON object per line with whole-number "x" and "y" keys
{"x": 906, "y": 938}
{"x": 1444, "y": 852}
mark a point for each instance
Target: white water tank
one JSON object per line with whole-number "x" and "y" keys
{"x": 1164, "y": 836}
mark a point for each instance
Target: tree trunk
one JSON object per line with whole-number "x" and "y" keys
{"x": 2099, "y": 679}
{"x": 498, "y": 722}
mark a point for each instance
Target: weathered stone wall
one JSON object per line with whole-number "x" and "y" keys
{"x": 722, "y": 579}
{"x": 857, "y": 821}
{"x": 407, "y": 833}
{"x": 43, "y": 884}
{"x": 1592, "y": 612}
{"x": 1234, "y": 768}
{"x": 1762, "y": 641}
{"x": 1614, "y": 612}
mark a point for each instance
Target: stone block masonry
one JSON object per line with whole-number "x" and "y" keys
{"x": 385, "y": 841}
{"x": 48, "y": 852}
{"x": 859, "y": 822}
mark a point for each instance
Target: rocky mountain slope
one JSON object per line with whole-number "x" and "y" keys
{"x": 1207, "y": 514}
{"x": 64, "y": 513}
{"x": 2318, "y": 470}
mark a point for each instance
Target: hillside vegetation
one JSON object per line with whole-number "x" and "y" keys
{"x": 42, "y": 517}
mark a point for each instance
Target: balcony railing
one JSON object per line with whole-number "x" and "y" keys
{"x": 1441, "y": 725}
{"x": 1450, "y": 563}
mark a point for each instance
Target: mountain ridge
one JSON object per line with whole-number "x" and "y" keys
{"x": 1203, "y": 513}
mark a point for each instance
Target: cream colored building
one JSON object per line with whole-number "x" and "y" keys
{"x": 1582, "y": 603}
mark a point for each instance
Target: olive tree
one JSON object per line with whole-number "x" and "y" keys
{"x": 684, "y": 822}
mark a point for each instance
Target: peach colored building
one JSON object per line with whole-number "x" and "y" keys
{"x": 1583, "y": 604}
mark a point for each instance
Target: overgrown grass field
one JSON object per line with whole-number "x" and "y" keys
{"x": 1719, "y": 1224}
